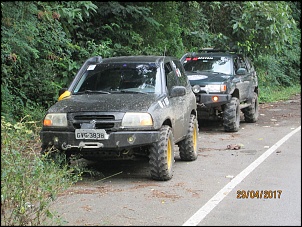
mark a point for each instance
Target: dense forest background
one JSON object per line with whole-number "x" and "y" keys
{"x": 43, "y": 44}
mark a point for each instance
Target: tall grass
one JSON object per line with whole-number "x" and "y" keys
{"x": 29, "y": 181}
{"x": 278, "y": 93}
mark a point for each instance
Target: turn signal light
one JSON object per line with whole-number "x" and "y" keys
{"x": 47, "y": 122}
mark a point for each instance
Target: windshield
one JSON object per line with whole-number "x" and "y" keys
{"x": 120, "y": 77}
{"x": 209, "y": 64}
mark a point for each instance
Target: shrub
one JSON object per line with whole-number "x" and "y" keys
{"x": 29, "y": 182}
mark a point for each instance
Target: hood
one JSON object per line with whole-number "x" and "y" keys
{"x": 203, "y": 78}
{"x": 104, "y": 102}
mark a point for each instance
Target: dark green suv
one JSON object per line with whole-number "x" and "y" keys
{"x": 224, "y": 83}
{"x": 123, "y": 108}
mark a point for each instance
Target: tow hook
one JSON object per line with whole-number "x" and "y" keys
{"x": 65, "y": 146}
{"x": 82, "y": 145}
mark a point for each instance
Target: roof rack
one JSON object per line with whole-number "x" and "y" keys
{"x": 210, "y": 50}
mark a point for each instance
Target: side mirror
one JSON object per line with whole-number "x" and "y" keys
{"x": 241, "y": 71}
{"x": 178, "y": 91}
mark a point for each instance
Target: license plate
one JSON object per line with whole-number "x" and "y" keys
{"x": 91, "y": 134}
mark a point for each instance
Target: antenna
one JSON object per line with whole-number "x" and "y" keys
{"x": 165, "y": 50}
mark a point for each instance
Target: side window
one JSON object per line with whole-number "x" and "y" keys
{"x": 181, "y": 76}
{"x": 170, "y": 76}
{"x": 242, "y": 63}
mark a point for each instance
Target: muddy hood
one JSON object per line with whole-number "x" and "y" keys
{"x": 104, "y": 102}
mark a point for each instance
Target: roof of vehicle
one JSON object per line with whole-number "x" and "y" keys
{"x": 139, "y": 58}
{"x": 212, "y": 53}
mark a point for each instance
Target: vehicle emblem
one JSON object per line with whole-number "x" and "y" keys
{"x": 90, "y": 125}
{"x": 93, "y": 122}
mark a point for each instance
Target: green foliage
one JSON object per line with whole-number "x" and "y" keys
{"x": 29, "y": 183}
{"x": 44, "y": 44}
{"x": 259, "y": 24}
{"x": 278, "y": 93}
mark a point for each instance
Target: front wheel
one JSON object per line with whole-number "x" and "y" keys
{"x": 231, "y": 115}
{"x": 188, "y": 147}
{"x": 161, "y": 156}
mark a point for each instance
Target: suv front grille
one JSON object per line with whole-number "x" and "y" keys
{"x": 93, "y": 117}
{"x": 97, "y": 125}
{"x": 102, "y": 121}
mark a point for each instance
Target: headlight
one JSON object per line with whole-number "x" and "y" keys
{"x": 196, "y": 88}
{"x": 55, "y": 119}
{"x": 137, "y": 119}
{"x": 216, "y": 88}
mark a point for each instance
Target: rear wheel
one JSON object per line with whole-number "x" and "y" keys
{"x": 251, "y": 113}
{"x": 161, "y": 157}
{"x": 231, "y": 115}
{"x": 188, "y": 147}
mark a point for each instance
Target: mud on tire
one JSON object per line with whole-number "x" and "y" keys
{"x": 188, "y": 147}
{"x": 161, "y": 157}
{"x": 231, "y": 115}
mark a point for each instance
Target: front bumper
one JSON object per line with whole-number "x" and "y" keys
{"x": 206, "y": 100}
{"x": 116, "y": 141}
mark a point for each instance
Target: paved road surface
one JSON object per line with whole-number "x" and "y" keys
{"x": 214, "y": 187}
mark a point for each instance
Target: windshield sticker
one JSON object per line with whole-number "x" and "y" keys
{"x": 197, "y": 77}
{"x": 205, "y": 58}
{"x": 91, "y": 67}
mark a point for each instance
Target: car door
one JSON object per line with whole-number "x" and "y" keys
{"x": 176, "y": 103}
{"x": 244, "y": 80}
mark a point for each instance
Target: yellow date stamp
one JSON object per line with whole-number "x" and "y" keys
{"x": 259, "y": 194}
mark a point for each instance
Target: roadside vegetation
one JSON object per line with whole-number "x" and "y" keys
{"x": 43, "y": 45}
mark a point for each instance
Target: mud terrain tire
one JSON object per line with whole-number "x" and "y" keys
{"x": 231, "y": 115}
{"x": 188, "y": 147}
{"x": 161, "y": 157}
{"x": 251, "y": 112}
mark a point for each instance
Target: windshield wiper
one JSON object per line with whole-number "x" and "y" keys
{"x": 93, "y": 91}
{"x": 127, "y": 91}
{"x": 199, "y": 71}
{"x": 221, "y": 73}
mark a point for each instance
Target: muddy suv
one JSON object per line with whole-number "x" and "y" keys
{"x": 124, "y": 108}
{"x": 224, "y": 83}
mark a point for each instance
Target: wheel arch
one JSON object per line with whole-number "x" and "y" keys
{"x": 236, "y": 93}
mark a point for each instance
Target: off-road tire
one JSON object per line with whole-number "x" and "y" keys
{"x": 251, "y": 113}
{"x": 231, "y": 115}
{"x": 161, "y": 156}
{"x": 188, "y": 147}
